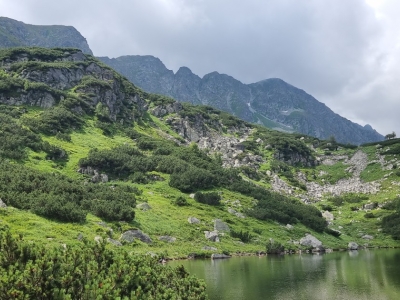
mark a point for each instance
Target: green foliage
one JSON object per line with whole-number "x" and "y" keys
{"x": 212, "y": 198}
{"x": 273, "y": 247}
{"x": 60, "y": 198}
{"x": 53, "y": 120}
{"x": 90, "y": 271}
{"x": 244, "y": 236}
{"x": 274, "y": 206}
{"x": 369, "y": 215}
{"x": 333, "y": 232}
{"x": 15, "y": 139}
{"x": 347, "y": 198}
{"x": 181, "y": 201}
{"x": 391, "y": 223}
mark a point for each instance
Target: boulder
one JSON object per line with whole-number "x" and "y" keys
{"x": 352, "y": 246}
{"x": 221, "y": 226}
{"x": 193, "y": 220}
{"x": 367, "y": 237}
{"x": 167, "y": 238}
{"x": 219, "y": 256}
{"x": 212, "y": 236}
{"x": 144, "y": 206}
{"x": 130, "y": 235}
{"x": 2, "y": 204}
{"x": 328, "y": 216}
{"x": 289, "y": 227}
{"x": 311, "y": 241}
{"x": 369, "y": 206}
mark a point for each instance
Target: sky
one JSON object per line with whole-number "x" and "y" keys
{"x": 345, "y": 53}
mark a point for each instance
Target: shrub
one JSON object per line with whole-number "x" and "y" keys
{"x": 369, "y": 215}
{"x": 181, "y": 201}
{"x": 244, "y": 236}
{"x": 212, "y": 198}
{"x": 273, "y": 247}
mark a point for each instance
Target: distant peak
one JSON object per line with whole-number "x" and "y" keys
{"x": 184, "y": 71}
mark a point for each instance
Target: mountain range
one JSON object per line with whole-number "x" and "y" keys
{"x": 271, "y": 102}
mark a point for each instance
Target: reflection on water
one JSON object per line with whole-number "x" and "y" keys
{"x": 366, "y": 274}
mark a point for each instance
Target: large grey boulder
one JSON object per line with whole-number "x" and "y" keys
{"x": 311, "y": 241}
{"x": 221, "y": 226}
{"x": 2, "y": 204}
{"x": 352, "y": 246}
{"x": 212, "y": 236}
{"x": 130, "y": 235}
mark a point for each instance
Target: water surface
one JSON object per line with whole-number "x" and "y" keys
{"x": 365, "y": 274}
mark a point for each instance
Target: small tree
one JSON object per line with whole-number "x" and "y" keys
{"x": 390, "y": 136}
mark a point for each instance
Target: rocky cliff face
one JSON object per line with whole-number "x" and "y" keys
{"x": 18, "y": 34}
{"x": 43, "y": 77}
{"x": 272, "y": 102}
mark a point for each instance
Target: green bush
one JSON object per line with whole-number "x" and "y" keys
{"x": 181, "y": 201}
{"x": 88, "y": 271}
{"x": 244, "y": 236}
{"x": 273, "y": 247}
{"x": 212, "y": 198}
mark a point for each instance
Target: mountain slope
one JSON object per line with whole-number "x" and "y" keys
{"x": 271, "y": 102}
{"x": 17, "y": 34}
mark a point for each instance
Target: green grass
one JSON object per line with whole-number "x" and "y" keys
{"x": 334, "y": 172}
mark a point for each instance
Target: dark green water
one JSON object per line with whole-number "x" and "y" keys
{"x": 365, "y": 274}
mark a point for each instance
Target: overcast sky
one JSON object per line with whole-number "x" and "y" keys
{"x": 346, "y": 53}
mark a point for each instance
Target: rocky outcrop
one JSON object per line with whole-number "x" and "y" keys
{"x": 41, "y": 80}
{"x": 2, "y": 204}
{"x": 212, "y": 236}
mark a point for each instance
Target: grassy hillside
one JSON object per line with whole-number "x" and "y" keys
{"x": 148, "y": 163}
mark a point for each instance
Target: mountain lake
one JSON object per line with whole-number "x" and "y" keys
{"x": 363, "y": 274}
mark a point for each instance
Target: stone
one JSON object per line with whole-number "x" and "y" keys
{"x": 144, "y": 206}
{"x": 369, "y": 206}
{"x": 114, "y": 242}
{"x": 191, "y": 196}
{"x": 2, "y": 204}
{"x": 219, "y": 256}
{"x": 193, "y": 220}
{"x": 289, "y": 227}
{"x": 352, "y": 246}
{"x": 328, "y": 216}
{"x": 130, "y": 235}
{"x": 221, "y": 226}
{"x": 167, "y": 238}
{"x": 212, "y": 236}
{"x": 98, "y": 239}
{"x": 311, "y": 241}
{"x": 79, "y": 237}
{"x": 367, "y": 237}
{"x": 208, "y": 248}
